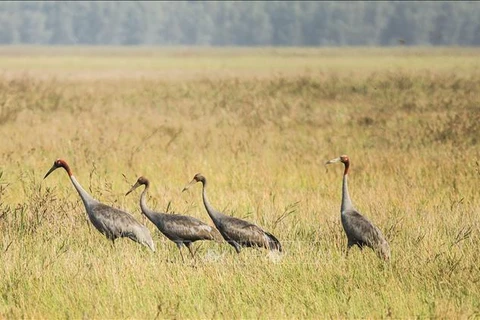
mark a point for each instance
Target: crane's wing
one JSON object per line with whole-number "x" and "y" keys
{"x": 247, "y": 234}
{"x": 116, "y": 223}
{"x": 361, "y": 230}
{"x": 187, "y": 228}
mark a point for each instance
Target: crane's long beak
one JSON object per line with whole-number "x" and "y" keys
{"x": 191, "y": 183}
{"x": 332, "y": 161}
{"x": 51, "y": 170}
{"x": 135, "y": 186}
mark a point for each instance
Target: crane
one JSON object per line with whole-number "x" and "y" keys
{"x": 238, "y": 233}
{"x": 181, "y": 229}
{"x": 111, "y": 222}
{"x": 359, "y": 230}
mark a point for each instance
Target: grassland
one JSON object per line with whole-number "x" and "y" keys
{"x": 259, "y": 124}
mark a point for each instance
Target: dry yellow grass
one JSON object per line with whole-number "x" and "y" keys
{"x": 259, "y": 124}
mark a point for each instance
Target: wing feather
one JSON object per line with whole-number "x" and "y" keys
{"x": 246, "y": 234}
{"x": 115, "y": 223}
{"x": 360, "y": 230}
{"x": 187, "y": 228}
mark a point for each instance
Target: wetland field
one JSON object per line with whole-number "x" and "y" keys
{"x": 259, "y": 124}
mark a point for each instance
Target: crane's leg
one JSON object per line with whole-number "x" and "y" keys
{"x": 188, "y": 245}
{"x": 349, "y": 245}
{"x": 179, "y": 246}
{"x": 236, "y": 246}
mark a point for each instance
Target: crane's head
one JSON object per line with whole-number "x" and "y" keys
{"x": 140, "y": 181}
{"x": 59, "y": 163}
{"x": 197, "y": 178}
{"x": 343, "y": 159}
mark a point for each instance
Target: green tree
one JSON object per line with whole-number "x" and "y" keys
{"x": 132, "y": 24}
{"x": 285, "y": 24}
{"x": 8, "y": 28}
{"x": 33, "y": 30}
{"x": 220, "y": 23}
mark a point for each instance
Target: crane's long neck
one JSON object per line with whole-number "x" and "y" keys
{"x": 143, "y": 205}
{"x": 346, "y": 201}
{"x": 214, "y": 214}
{"x": 86, "y": 197}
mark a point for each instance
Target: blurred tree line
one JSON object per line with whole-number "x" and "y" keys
{"x": 256, "y": 23}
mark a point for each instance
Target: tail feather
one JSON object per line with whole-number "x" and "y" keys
{"x": 273, "y": 242}
{"x": 151, "y": 245}
{"x": 384, "y": 251}
{"x": 143, "y": 236}
{"x": 216, "y": 235}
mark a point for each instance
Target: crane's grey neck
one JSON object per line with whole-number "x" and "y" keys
{"x": 214, "y": 214}
{"x": 143, "y": 205}
{"x": 86, "y": 197}
{"x": 346, "y": 201}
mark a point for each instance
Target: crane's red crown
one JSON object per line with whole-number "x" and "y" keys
{"x": 60, "y": 163}
{"x": 344, "y": 158}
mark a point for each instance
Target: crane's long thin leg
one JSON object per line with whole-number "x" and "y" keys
{"x": 349, "y": 245}
{"x": 188, "y": 244}
{"x": 236, "y": 246}
{"x": 238, "y": 249}
{"x": 179, "y": 246}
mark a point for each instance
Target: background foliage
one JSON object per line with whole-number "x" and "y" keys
{"x": 242, "y": 23}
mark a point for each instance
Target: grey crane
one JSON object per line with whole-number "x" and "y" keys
{"x": 181, "y": 229}
{"x": 359, "y": 230}
{"x": 238, "y": 233}
{"x": 111, "y": 222}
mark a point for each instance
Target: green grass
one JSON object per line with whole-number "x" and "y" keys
{"x": 259, "y": 124}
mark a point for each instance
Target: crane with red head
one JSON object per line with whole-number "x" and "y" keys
{"x": 111, "y": 222}
{"x": 360, "y": 231}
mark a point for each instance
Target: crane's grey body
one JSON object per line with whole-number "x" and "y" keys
{"x": 114, "y": 223}
{"x": 238, "y": 233}
{"x": 359, "y": 230}
{"x": 111, "y": 222}
{"x": 181, "y": 229}
{"x": 362, "y": 232}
